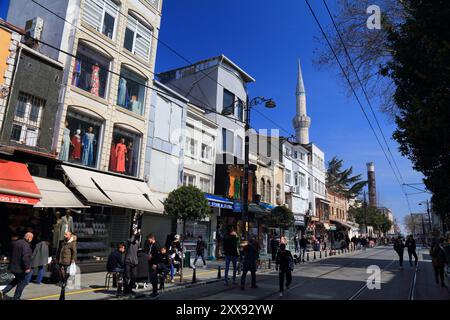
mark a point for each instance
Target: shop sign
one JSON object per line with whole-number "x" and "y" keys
{"x": 18, "y": 200}
{"x": 332, "y": 227}
{"x": 299, "y": 219}
{"x": 220, "y": 205}
{"x": 237, "y": 206}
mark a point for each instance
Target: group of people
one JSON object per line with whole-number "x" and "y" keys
{"x": 25, "y": 261}
{"x": 437, "y": 253}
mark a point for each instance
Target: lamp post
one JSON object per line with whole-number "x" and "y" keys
{"x": 428, "y": 212}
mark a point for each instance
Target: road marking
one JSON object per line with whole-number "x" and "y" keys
{"x": 68, "y": 294}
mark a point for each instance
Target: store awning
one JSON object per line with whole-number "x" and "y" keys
{"x": 105, "y": 189}
{"x": 347, "y": 225}
{"x": 16, "y": 184}
{"x": 55, "y": 195}
{"x": 266, "y": 206}
{"x": 218, "y": 201}
{"x": 257, "y": 209}
{"x": 326, "y": 225}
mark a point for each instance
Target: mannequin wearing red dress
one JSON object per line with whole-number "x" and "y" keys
{"x": 121, "y": 150}
{"x": 76, "y": 143}
{"x": 113, "y": 158}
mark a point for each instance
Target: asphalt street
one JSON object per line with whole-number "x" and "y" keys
{"x": 337, "y": 278}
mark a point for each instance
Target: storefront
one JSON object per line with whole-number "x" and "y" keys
{"x": 221, "y": 209}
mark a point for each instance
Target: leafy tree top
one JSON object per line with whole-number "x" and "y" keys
{"x": 341, "y": 181}
{"x": 187, "y": 202}
{"x": 280, "y": 216}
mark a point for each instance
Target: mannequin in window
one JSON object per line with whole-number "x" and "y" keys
{"x": 231, "y": 187}
{"x": 76, "y": 73}
{"x": 76, "y": 143}
{"x": 88, "y": 147}
{"x": 113, "y": 158}
{"x": 130, "y": 158}
{"x": 135, "y": 105}
{"x": 122, "y": 95}
{"x": 65, "y": 146}
{"x": 237, "y": 188}
{"x": 95, "y": 79}
{"x": 121, "y": 151}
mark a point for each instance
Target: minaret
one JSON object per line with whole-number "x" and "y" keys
{"x": 372, "y": 184}
{"x": 301, "y": 121}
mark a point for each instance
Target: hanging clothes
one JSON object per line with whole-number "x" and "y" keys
{"x": 95, "y": 80}
{"x": 76, "y": 73}
{"x": 231, "y": 190}
{"x": 76, "y": 151}
{"x": 113, "y": 158}
{"x": 130, "y": 161}
{"x": 64, "y": 153}
{"x": 88, "y": 149}
{"x": 121, "y": 151}
{"x": 237, "y": 188}
{"x": 135, "y": 106}
{"x": 121, "y": 96}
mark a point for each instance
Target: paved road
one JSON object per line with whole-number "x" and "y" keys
{"x": 336, "y": 278}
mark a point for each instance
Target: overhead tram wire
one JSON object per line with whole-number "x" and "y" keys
{"x": 358, "y": 100}
{"x": 363, "y": 89}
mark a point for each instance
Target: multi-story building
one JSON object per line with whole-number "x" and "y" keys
{"x": 107, "y": 49}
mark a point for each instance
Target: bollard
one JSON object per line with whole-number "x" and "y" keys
{"x": 314, "y": 255}
{"x": 307, "y": 256}
{"x": 194, "y": 275}
{"x": 270, "y": 263}
{"x": 320, "y": 254}
{"x": 219, "y": 275}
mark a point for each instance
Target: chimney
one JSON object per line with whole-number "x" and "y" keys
{"x": 372, "y": 185}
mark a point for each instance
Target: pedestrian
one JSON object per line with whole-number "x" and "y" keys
{"x": 163, "y": 263}
{"x": 153, "y": 251}
{"x": 399, "y": 247}
{"x": 116, "y": 266}
{"x": 131, "y": 262}
{"x": 283, "y": 239}
{"x": 39, "y": 260}
{"x": 285, "y": 266}
{"x": 364, "y": 243}
{"x": 230, "y": 248}
{"x": 274, "y": 245}
{"x": 354, "y": 242}
{"x": 303, "y": 245}
{"x": 296, "y": 243}
{"x": 176, "y": 254}
{"x": 251, "y": 255}
{"x": 438, "y": 258}
{"x": 200, "y": 251}
{"x": 67, "y": 254}
{"x": 411, "y": 245}
{"x": 20, "y": 265}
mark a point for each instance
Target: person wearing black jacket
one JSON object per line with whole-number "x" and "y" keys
{"x": 284, "y": 263}
{"x": 230, "y": 248}
{"x": 411, "y": 245}
{"x": 116, "y": 262}
{"x": 274, "y": 245}
{"x": 251, "y": 255}
{"x": 399, "y": 247}
{"x": 303, "y": 246}
{"x": 163, "y": 262}
{"x": 153, "y": 251}
{"x": 131, "y": 262}
{"x": 20, "y": 265}
{"x": 200, "y": 251}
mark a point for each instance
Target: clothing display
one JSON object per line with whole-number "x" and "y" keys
{"x": 95, "y": 80}
{"x": 122, "y": 95}
{"x": 232, "y": 186}
{"x": 237, "y": 188}
{"x": 130, "y": 161}
{"x": 76, "y": 73}
{"x": 113, "y": 158}
{"x": 56, "y": 233}
{"x": 88, "y": 149}
{"x": 121, "y": 151}
{"x": 66, "y": 225}
{"x": 64, "y": 153}
{"x": 76, "y": 143}
{"x": 135, "y": 106}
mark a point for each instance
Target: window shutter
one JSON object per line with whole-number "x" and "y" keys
{"x": 111, "y": 7}
{"x": 143, "y": 42}
{"x": 93, "y": 12}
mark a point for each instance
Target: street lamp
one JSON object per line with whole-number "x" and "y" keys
{"x": 428, "y": 212}
{"x": 270, "y": 104}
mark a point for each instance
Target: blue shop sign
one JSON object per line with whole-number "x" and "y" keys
{"x": 237, "y": 206}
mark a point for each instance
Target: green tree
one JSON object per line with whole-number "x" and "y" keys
{"x": 187, "y": 203}
{"x": 341, "y": 181}
{"x": 279, "y": 217}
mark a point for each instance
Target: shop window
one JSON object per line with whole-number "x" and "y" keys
{"x": 131, "y": 92}
{"x": 27, "y": 119}
{"x": 124, "y": 154}
{"x": 138, "y": 38}
{"x": 102, "y": 15}
{"x": 90, "y": 72}
{"x": 80, "y": 142}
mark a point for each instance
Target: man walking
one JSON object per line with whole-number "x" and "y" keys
{"x": 67, "y": 254}
{"x": 399, "y": 247}
{"x": 251, "y": 255}
{"x": 131, "y": 262}
{"x": 303, "y": 246}
{"x": 438, "y": 258}
{"x": 285, "y": 265}
{"x": 230, "y": 248}
{"x": 200, "y": 251}
{"x": 411, "y": 245}
{"x": 152, "y": 249}
{"x": 274, "y": 245}
{"x": 20, "y": 265}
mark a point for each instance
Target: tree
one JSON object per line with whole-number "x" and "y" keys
{"x": 280, "y": 217}
{"x": 370, "y": 216}
{"x": 186, "y": 203}
{"x": 341, "y": 181}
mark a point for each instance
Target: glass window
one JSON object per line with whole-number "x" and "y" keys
{"x": 268, "y": 192}
{"x": 295, "y": 155}
{"x": 124, "y": 156}
{"x": 131, "y": 92}
{"x": 90, "y": 72}
{"x": 227, "y": 141}
{"x": 206, "y": 152}
{"x": 296, "y": 178}
{"x": 228, "y": 101}
{"x": 102, "y": 15}
{"x": 80, "y": 143}
{"x": 302, "y": 179}
{"x": 205, "y": 185}
{"x": 138, "y": 38}
{"x": 288, "y": 176}
{"x": 27, "y": 119}
{"x": 240, "y": 110}
{"x": 239, "y": 147}
{"x": 191, "y": 147}
{"x": 188, "y": 180}
{"x": 262, "y": 188}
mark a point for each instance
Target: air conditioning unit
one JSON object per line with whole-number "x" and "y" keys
{"x": 33, "y": 29}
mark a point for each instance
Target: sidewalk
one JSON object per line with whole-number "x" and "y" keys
{"x": 92, "y": 285}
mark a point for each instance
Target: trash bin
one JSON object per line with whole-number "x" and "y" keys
{"x": 187, "y": 259}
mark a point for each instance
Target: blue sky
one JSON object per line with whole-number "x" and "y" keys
{"x": 266, "y": 38}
